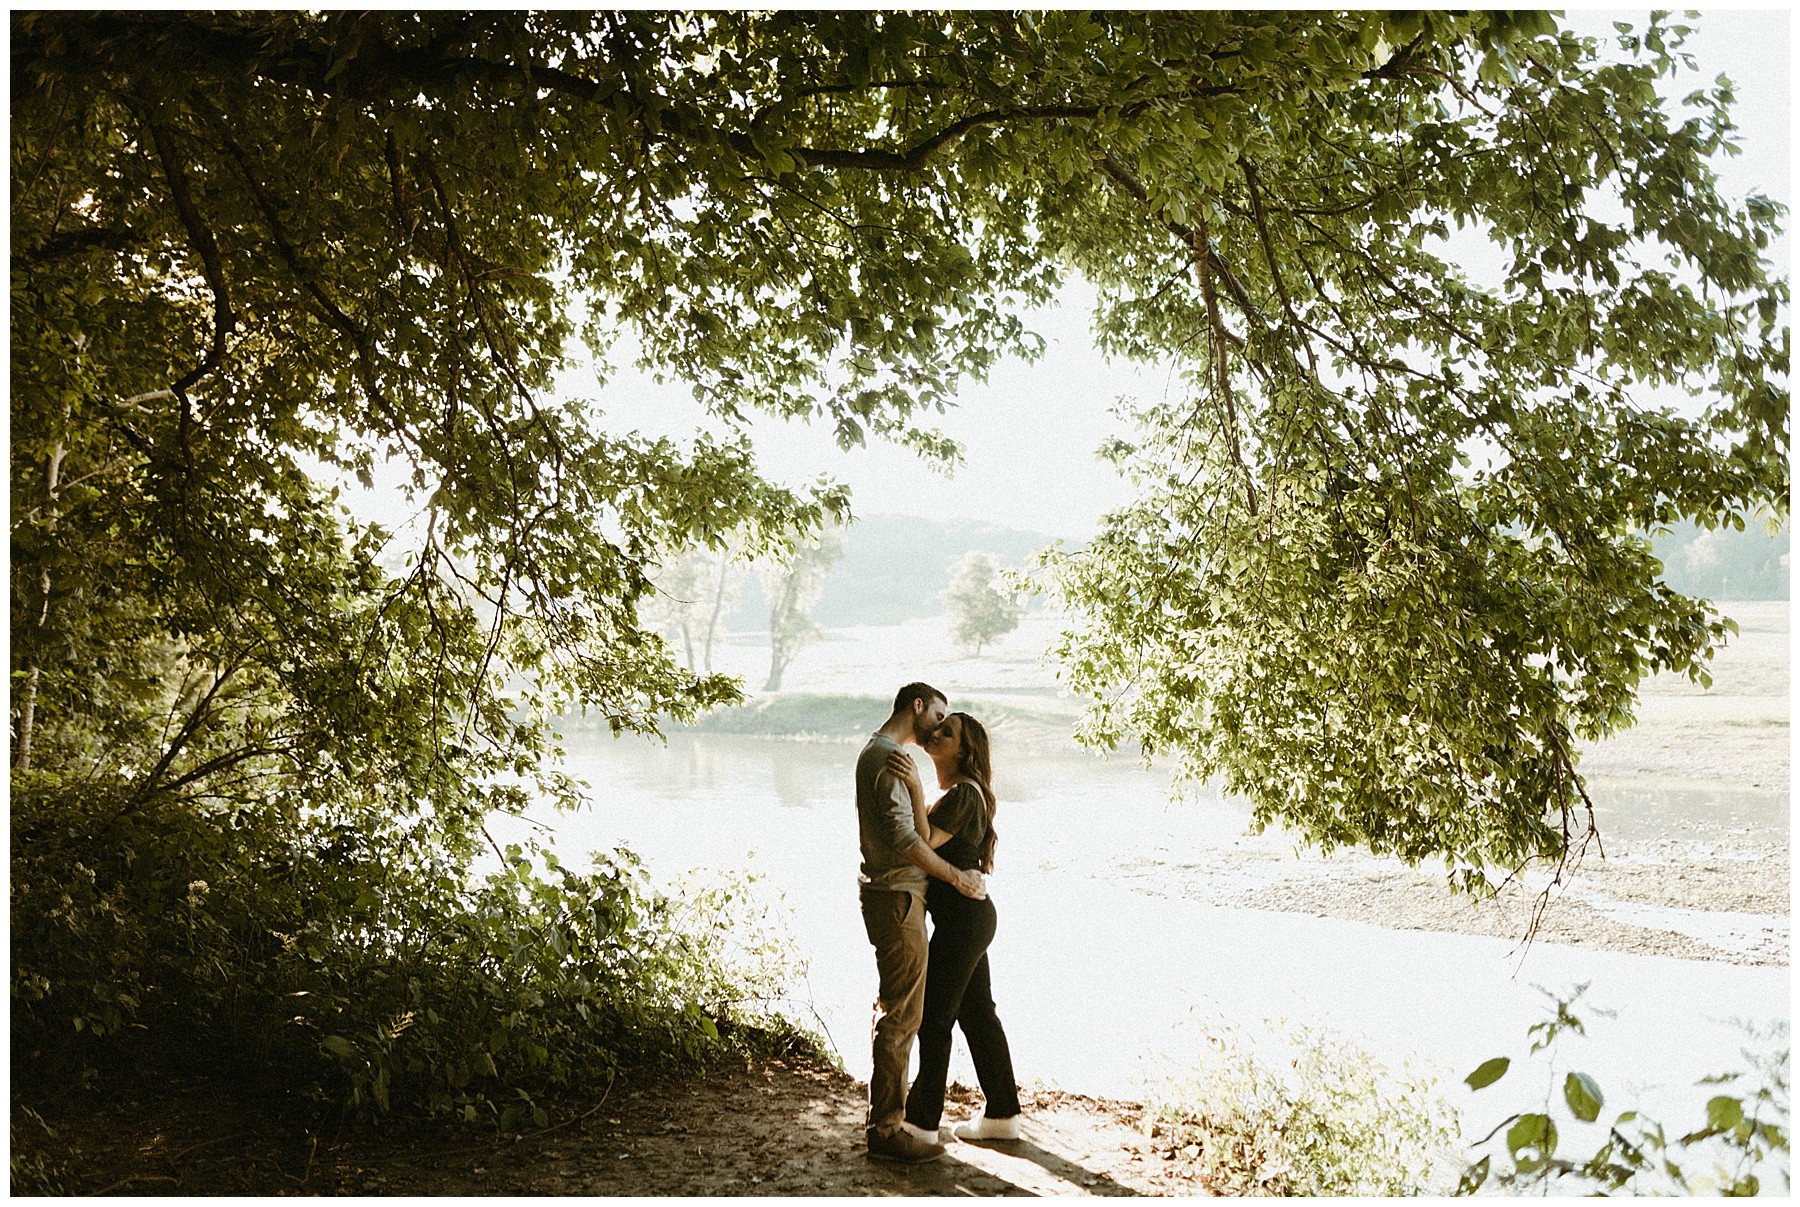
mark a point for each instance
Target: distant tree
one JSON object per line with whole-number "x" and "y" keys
{"x": 793, "y": 586}
{"x": 695, "y": 593}
{"x": 1726, "y": 562}
{"x": 725, "y": 588}
{"x": 671, "y": 609}
{"x": 980, "y": 612}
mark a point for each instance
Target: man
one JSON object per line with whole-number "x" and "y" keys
{"x": 895, "y": 863}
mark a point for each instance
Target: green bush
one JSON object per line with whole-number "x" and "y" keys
{"x": 1307, "y": 1114}
{"x": 361, "y": 964}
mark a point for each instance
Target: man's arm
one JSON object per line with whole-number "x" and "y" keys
{"x": 969, "y": 884}
{"x": 902, "y": 768}
{"x": 912, "y": 843}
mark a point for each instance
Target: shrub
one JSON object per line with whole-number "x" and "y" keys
{"x": 360, "y": 963}
{"x": 1308, "y": 1114}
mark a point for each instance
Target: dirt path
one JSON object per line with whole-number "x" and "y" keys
{"x": 790, "y": 1126}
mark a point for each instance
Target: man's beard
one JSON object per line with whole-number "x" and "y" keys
{"x": 922, "y": 731}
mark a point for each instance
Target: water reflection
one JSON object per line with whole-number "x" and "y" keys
{"x": 812, "y": 775}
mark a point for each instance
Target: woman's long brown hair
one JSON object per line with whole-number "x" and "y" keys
{"x": 976, "y": 764}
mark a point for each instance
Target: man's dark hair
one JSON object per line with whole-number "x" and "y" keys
{"x": 917, "y": 691}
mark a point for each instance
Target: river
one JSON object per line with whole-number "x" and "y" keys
{"x": 1109, "y": 973}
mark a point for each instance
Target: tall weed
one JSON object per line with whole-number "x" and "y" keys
{"x": 1305, "y": 1112}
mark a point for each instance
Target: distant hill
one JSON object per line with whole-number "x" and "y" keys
{"x": 1725, "y": 563}
{"x": 893, "y": 569}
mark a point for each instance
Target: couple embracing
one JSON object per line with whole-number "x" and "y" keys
{"x": 917, "y": 862}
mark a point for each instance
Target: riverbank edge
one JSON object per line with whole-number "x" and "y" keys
{"x": 1046, "y": 720}
{"x": 842, "y": 717}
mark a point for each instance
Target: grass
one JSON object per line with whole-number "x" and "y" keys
{"x": 800, "y": 714}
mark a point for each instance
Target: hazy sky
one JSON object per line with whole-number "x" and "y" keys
{"x": 1030, "y": 431}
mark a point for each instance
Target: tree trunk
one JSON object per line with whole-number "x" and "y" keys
{"x": 52, "y": 512}
{"x": 712, "y": 623}
{"x": 27, "y": 715}
{"x": 778, "y": 657}
{"x": 781, "y": 609}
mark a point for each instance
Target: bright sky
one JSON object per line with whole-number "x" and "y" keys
{"x": 1030, "y": 431}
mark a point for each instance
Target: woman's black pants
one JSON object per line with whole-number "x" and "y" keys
{"x": 959, "y": 992}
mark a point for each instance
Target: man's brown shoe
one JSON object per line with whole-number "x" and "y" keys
{"x": 901, "y": 1145}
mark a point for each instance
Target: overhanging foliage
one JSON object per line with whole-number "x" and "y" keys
{"x": 1382, "y": 571}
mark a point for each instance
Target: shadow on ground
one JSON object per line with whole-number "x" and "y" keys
{"x": 788, "y": 1126}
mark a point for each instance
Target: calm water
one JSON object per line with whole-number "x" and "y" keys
{"x": 1107, "y": 974}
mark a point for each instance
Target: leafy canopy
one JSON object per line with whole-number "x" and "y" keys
{"x": 1385, "y": 564}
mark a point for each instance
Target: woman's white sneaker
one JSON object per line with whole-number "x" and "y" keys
{"x": 983, "y": 1128}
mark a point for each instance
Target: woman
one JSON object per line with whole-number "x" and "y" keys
{"x": 960, "y": 827}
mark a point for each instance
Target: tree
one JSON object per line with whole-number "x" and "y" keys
{"x": 793, "y": 585}
{"x": 724, "y": 589}
{"x": 695, "y": 593}
{"x": 979, "y": 611}
{"x": 1725, "y": 563}
{"x": 1380, "y": 575}
{"x": 1385, "y": 566}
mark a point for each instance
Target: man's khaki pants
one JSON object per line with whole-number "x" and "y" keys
{"x": 895, "y": 921}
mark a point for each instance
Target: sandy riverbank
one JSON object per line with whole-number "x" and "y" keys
{"x": 1705, "y": 881}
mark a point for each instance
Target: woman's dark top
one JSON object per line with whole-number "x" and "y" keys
{"x": 963, "y": 812}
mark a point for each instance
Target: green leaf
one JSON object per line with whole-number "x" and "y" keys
{"x": 1583, "y": 1096}
{"x": 1473, "y": 1177}
{"x": 1724, "y": 1112}
{"x": 341, "y": 1048}
{"x": 1489, "y": 1072}
{"x": 1533, "y": 1134}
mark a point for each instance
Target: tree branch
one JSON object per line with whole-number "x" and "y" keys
{"x": 202, "y": 712}
{"x": 1122, "y": 176}
{"x": 220, "y": 762}
{"x": 401, "y": 212}
{"x": 201, "y": 239}
{"x": 1399, "y": 64}
{"x": 1202, "y": 246}
{"x": 916, "y": 157}
{"x": 823, "y": 89}
{"x": 1268, "y": 246}
{"x": 70, "y": 243}
{"x": 333, "y": 314}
